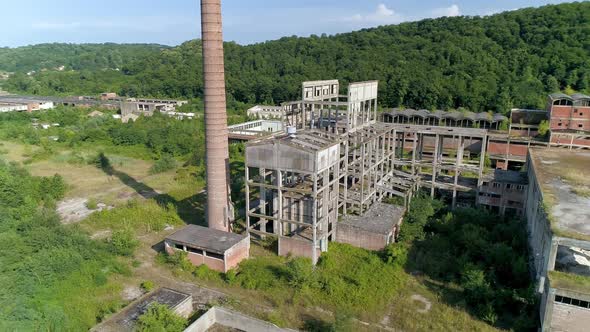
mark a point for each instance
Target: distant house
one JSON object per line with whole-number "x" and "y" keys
{"x": 266, "y": 112}
{"x": 94, "y": 114}
{"x": 108, "y": 96}
{"x": 125, "y": 118}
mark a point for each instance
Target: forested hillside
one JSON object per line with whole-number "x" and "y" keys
{"x": 494, "y": 63}
{"x": 71, "y": 56}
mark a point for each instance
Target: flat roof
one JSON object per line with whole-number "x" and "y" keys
{"x": 379, "y": 218}
{"x": 207, "y": 239}
{"x": 564, "y": 179}
{"x": 309, "y": 140}
{"x": 498, "y": 175}
{"x": 126, "y": 319}
{"x": 450, "y": 131}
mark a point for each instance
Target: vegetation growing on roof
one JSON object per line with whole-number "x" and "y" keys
{"x": 569, "y": 281}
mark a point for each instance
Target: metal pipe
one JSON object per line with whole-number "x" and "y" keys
{"x": 216, "y": 132}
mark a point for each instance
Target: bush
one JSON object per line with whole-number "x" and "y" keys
{"x": 300, "y": 271}
{"x": 231, "y": 277}
{"x": 166, "y": 163}
{"x": 147, "y": 285}
{"x": 180, "y": 260}
{"x": 160, "y": 318}
{"x": 124, "y": 242}
{"x": 543, "y": 128}
{"x": 92, "y": 204}
{"x": 203, "y": 272}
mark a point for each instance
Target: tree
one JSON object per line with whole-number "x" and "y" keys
{"x": 543, "y": 128}
{"x": 124, "y": 242}
{"x": 159, "y": 318}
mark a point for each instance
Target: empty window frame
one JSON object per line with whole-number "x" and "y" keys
{"x": 572, "y": 301}
{"x": 179, "y": 246}
{"x": 194, "y": 250}
{"x": 214, "y": 255}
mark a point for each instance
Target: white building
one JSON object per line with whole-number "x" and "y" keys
{"x": 9, "y": 107}
{"x": 266, "y": 112}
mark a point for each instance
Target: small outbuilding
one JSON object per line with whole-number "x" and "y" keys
{"x": 375, "y": 229}
{"x": 220, "y": 251}
{"x": 180, "y": 303}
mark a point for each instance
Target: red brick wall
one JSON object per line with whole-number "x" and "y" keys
{"x": 360, "y": 238}
{"x": 515, "y": 149}
{"x": 296, "y": 247}
{"x": 570, "y": 117}
{"x": 237, "y": 253}
{"x": 565, "y": 139}
{"x": 196, "y": 259}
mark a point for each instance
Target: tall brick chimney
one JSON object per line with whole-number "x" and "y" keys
{"x": 219, "y": 210}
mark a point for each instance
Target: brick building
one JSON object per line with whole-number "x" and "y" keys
{"x": 220, "y": 251}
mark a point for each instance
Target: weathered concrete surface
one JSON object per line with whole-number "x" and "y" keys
{"x": 232, "y": 319}
{"x": 571, "y": 211}
{"x": 569, "y": 318}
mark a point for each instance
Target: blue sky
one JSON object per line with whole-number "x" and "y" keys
{"x": 172, "y": 22}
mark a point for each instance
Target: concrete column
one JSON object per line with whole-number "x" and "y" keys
{"x": 314, "y": 213}
{"x": 278, "y": 224}
{"x": 262, "y": 202}
{"x": 247, "y": 183}
{"x": 458, "y": 161}
{"x": 434, "y": 164}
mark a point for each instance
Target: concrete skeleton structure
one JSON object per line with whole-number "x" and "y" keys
{"x": 510, "y": 139}
{"x": 558, "y": 224}
{"x": 336, "y": 160}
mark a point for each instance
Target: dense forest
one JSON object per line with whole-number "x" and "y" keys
{"x": 74, "y": 57}
{"x": 512, "y": 59}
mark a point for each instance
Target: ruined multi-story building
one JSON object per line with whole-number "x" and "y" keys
{"x": 336, "y": 162}
{"x": 568, "y": 119}
{"x": 558, "y": 223}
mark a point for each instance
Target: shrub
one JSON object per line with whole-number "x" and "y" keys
{"x": 124, "y": 242}
{"x": 300, "y": 271}
{"x": 92, "y": 204}
{"x": 147, "y": 285}
{"x": 231, "y": 277}
{"x": 160, "y": 318}
{"x": 180, "y": 260}
{"x": 543, "y": 128}
{"x": 166, "y": 163}
{"x": 203, "y": 272}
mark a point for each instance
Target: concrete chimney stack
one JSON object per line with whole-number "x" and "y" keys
{"x": 216, "y": 133}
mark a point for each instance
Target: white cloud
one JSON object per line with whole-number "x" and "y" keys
{"x": 156, "y": 24}
{"x": 450, "y": 11}
{"x": 382, "y": 15}
{"x": 56, "y": 25}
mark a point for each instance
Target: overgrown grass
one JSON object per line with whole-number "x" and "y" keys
{"x": 346, "y": 280}
{"x": 141, "y": 216}
{"x": 570, "y": 281}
